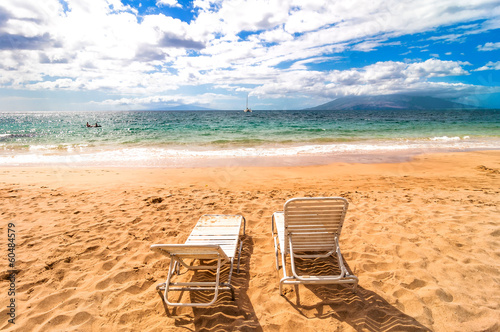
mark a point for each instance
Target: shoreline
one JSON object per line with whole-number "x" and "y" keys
{"x": 140, "y": 159}
{"x": 420, "y": 235}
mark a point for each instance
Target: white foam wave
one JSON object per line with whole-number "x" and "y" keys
{"x": 163, "y": 156}
{"x": 446, "y": 138}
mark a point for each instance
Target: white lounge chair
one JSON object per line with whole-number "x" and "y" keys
{"x": 310, "y": 228}
{"x": 215, "y": 237}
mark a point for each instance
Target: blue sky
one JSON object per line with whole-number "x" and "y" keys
{"x": 285, "y": 54}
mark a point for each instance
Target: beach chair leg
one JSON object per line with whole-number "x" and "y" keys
{"x": 276, "y": 254}
{"x": 239, "y": 256}
{"x": 172, "y": 269}
{"x": 230, "y": 272}
{"x": 216, "y": 289}
{"x": 355, "y": 285}
{"x": 285, "y": 277}
{"x": 231, "y": 288}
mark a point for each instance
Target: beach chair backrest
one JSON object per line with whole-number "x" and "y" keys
{"x": 314, "y": 223}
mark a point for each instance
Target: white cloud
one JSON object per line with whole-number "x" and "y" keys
{"x": 489, "y": 47}
{"x": 169, "y": 3}
{"x": 379, "y": 78}
{"x": 302, "y": 64}
{"x": 490, "y": 66}
{"x": 435, "y": 68}
{"x": 206, "y": 99}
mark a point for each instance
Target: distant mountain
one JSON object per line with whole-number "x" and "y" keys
{"x": 390, "y": 102}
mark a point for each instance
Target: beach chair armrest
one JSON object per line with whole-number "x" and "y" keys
{"x": 244, "y": 225}
{"x": 194, "y": 251}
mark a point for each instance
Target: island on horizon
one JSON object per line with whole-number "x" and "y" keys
{"x": 390, "y": 102}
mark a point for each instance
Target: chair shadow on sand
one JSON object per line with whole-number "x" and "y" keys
{"x": 363, "y": 309}
{"x": 224, "y": 314}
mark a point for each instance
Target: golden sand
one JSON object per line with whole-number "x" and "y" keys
{"x": 422, "y": 236}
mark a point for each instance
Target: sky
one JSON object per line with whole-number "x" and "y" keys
{"x": 286, "y": 54}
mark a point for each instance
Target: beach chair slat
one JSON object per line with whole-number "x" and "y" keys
{"x": 328, "y": 219}
{"x": 296, "y": 227}
{"x": 312, "y": 237}
{"x": 317, "y": 247}
{"x": 215, "y": 226}
{"x": 229, "y": 233}
{"x": 314, "y": 209}
{"x": 304, "y": 206}
{"x": 221, "y": 237}
{"x": 333, "y": 215}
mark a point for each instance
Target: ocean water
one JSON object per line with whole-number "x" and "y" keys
{"x": 198, "y": 138}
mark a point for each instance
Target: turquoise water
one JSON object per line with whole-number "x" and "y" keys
{"x": 159, "y": 138}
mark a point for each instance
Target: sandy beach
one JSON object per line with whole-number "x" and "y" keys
{"x": 422, "y": 237}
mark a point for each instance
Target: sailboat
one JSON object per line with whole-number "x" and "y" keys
{"x": 247, "y": 109}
